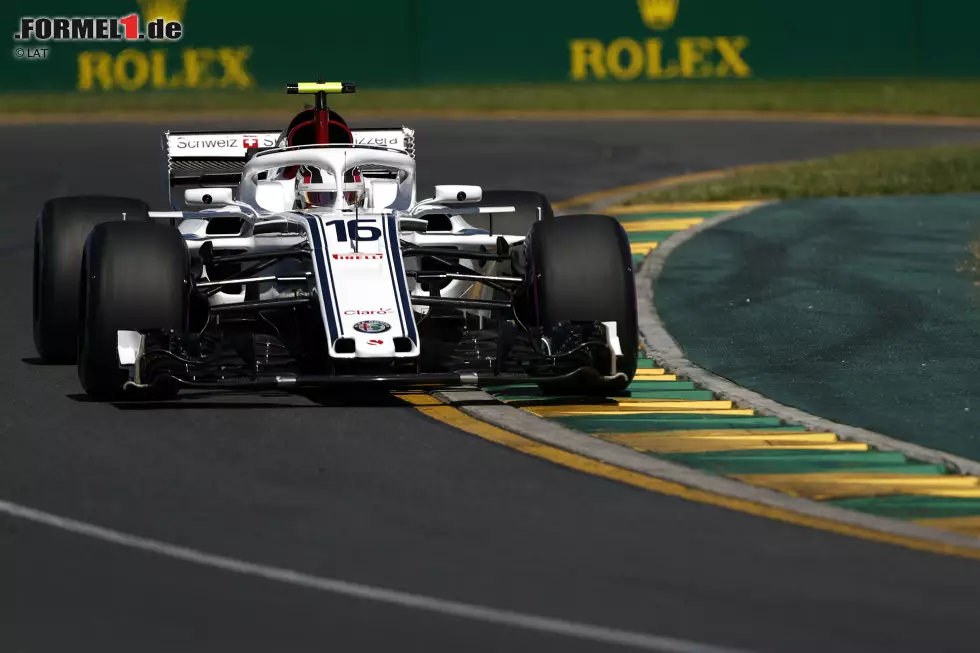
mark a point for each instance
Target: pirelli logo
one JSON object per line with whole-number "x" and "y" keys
{"x": 357, "y": 256}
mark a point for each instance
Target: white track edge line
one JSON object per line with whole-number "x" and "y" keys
{"x": 398, "y": 598}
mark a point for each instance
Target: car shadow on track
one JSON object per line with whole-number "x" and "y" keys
{"x": 209, "y": 401}
{"x": 360, "y": 398}
{"x": 37, "y": 361}
{"x": 258, "y": 401}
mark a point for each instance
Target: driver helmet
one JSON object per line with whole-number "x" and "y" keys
{"x": 316, "y": 188}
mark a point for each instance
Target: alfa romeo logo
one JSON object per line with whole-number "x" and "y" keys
{"x": 372, "y": 326}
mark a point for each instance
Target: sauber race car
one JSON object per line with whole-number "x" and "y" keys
{"x": 303, "y": 258}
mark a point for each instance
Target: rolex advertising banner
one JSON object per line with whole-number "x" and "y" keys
{"x": 191, "y": 45}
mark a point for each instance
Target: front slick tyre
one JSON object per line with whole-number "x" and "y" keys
{"x": 580, "y": 269}
{"x": 135, "y": 276}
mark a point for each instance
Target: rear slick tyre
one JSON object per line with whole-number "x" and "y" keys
{"x": 529, "y": 207}
{"x": 59, "y": 237}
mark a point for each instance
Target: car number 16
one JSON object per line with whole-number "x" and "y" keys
{"x": 356, "y": 230}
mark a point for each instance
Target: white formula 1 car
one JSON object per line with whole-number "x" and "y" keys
{"x": 309, "y": 262}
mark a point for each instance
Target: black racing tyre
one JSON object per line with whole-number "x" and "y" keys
{"x": 530, "y": 207}
{"x": 136, "y": 276}
{"x": 580, "y": 269}
{"x": 59, "y": 237}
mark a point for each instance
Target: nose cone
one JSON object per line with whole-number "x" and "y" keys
{"x": 374, "y": 346}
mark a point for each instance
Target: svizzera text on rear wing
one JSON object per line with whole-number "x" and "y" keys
{"x": 217, "y": 158}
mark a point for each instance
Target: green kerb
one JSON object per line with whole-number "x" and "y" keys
{"x": 912, "y": 507}
{"x": 796, "y": 461}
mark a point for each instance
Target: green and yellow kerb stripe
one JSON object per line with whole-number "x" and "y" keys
{"x": 669, "y": 417}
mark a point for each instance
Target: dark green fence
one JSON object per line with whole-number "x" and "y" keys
{"x": 242, "y": 45}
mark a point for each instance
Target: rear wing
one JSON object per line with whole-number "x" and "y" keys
{"x": 217, "y": 158}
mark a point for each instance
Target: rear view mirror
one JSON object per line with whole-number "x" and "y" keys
{"x": 453, "y": 194}
{"x": 274, "y": 196}
{"x": 209, "y": 196}
{"x": 417, "y": 225}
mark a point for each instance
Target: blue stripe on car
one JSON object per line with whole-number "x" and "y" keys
{"x": 391, "y": 274}
{"x": 333, "y": 288}
{"x": 316, "y": 243}
{"x": 401, "y": 286}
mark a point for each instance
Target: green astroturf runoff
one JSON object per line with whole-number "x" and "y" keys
{"x": 862, "y": 311}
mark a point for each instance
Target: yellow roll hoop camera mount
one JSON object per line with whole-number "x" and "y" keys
{"x": 310, "y": 88}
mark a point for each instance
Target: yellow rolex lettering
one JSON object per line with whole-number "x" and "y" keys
{"x": 655, "y": 58}
{"x": 692, "y": 52}
{"x": 731, "y": 50}
{"x": 632, "y": 52}
{"x": 94, "y": 67}
{"x": 587, "y": 54}
{"x": 197, "y": 67}
{"x": 235, "y": 72}
{"x": 159, "y": 77}
{"x": 131, "y": 70}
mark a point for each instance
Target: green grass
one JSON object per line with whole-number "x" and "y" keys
{"x": 923, "y": 171}
{"x": 922, "y": 97}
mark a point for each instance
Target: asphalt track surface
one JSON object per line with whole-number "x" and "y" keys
{"x": 379, "y": 494}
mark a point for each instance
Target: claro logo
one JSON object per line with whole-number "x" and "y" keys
{"x": 634, "y": 59}
{"x": 134, "y": 69}
{"x": 380, "y": 311}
